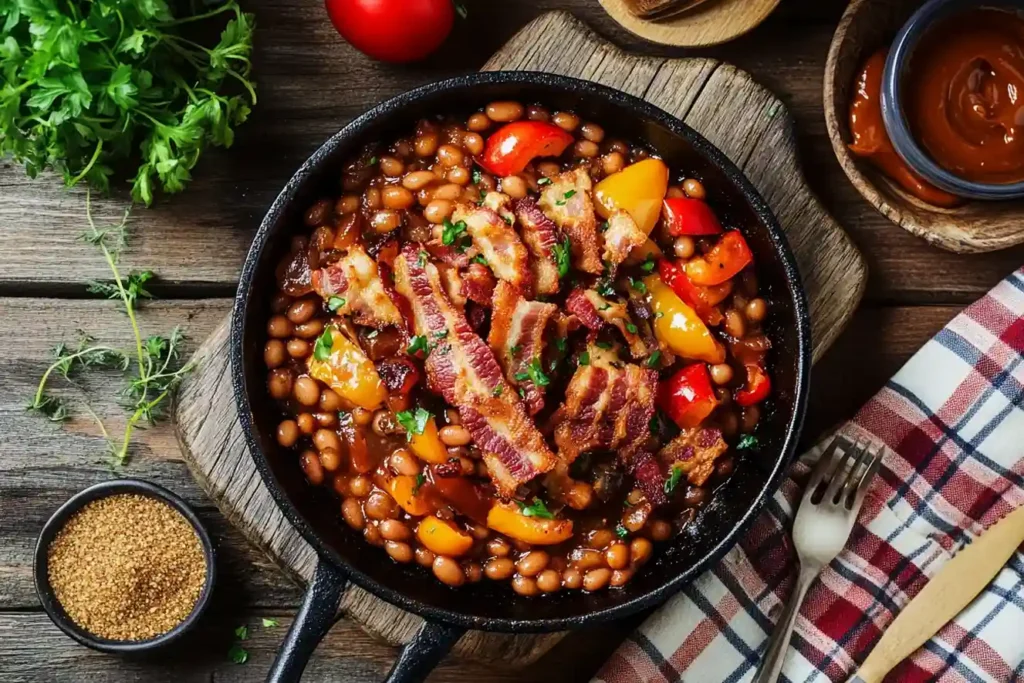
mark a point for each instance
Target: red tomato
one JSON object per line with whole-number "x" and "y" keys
{"x": 510, "y": 148}
{"x": 393, "y": 30}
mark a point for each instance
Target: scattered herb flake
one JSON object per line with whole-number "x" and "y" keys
{"x": 238, "y": 654}
{"x": 452, "y": 232}
{"x": 654, "y": 359}
{"x": 418, "y": 343}
{"x": 638, "y": 285}
{"x": 631, "y": 328}
{"x": 424, "y": 256}
{"x": 570, "y": 194}
{"x": 544, "y": 181}
{"x": 497, "y": 390}
{"x": 648, "y": 265}
{"x": 747, "y": 441}
{"x": 585, "y": 358}
{"x": 605, "y": 226}
{"x": 480, "y": 259}
{"x": 477, "y": 176}
{"x": 604, "y": 287}
{"x": 535, "y": 509}
{"x": 604, "y": 345}
{"x": 373, "y": 161}
{"x": 414, "y": 422}
{"x": 563, "y": 256}
{"x": 269, "y": 622}
{"x": 323, "y": 346}
{"x": 242, "y": 632}
{"x": 621, "y": 531}
{"x": 673, "y": 481}
{"x": 334, "y": 303}
{"x": 514, "y": 349}
{"x": 421, "y": 479}
{"x": 562, "y": 344}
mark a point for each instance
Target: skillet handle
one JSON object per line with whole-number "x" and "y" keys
{"x": 421, "y": 654}
{"x": 318, "y": 613}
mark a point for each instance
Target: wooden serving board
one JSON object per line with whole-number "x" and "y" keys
{"x": 739, "y": 116}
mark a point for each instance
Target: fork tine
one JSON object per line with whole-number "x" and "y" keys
{"x": 862, "y": 461}
{"x": 869, "y": 474}
{"x": 840, "y": 475}
{"x": 824, "y": 464}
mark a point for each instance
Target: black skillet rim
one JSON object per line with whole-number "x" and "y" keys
{"x": 703, "y": 147}
{"x": 56, "y": 522}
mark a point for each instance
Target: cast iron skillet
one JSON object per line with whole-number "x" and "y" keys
{"x": 343, "y": 555}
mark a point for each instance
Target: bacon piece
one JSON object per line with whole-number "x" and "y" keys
{"x": 621, "y": 237}
{"x": 356, "y": 279}
{"x": 541, "y": 236}
{"x": 517, "y": 339}
{"x": 649, "y": 477}
{"x": 464, "y": 371}
{"x": 500, "y": 204}
{"x": 595, "y": 311}
{"x": 567, "y": 202}
{"x": 448, "y": 254}
{"x": 478, "y": 284}
{"x": 695, "y": 452}
{"x": 608, "y": 405}
{"x": 453, "y": 285}
{"x": 499, "y": 244}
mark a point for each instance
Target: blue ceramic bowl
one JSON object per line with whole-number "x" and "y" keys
{"x": 896, "y": 65}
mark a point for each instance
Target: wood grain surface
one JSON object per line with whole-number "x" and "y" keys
{"x": 974, "y": 227}
{"x": 743, "y": 119}
{"x": 311, "y": 83}
{"x": 703, "y": 23}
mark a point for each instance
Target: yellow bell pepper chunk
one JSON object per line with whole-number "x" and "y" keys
{"x": 341, "y": 364}
{"x": 679, "y": 327}
{"x": 637, "y": 189}
{"x": 428, "y": 446}
{"x": 505, "y": 518}
{"x": 443, "y": 538}
{"x": 404, "y": 490}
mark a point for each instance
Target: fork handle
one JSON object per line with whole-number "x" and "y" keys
{"x": 775, "y": 655}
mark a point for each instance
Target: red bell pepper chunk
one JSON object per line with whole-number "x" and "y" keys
{"x": 686, "y": 216}
{"x": 703, "y": 300}
{"x": 466, "y": 497}
{"x": 687, "y": 396}
{"x": 510, "y": 148}
{"x": 727, "y": 258}
{"x": 757, "y": 388}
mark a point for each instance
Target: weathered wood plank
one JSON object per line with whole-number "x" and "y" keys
{"x": 311, "y": 83}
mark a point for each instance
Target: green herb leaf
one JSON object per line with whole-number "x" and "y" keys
{"x": 418, "y": 343}
{"x": 570, "y": 194}
{"x": 269, "y": 622}
{"x": 238, "y": 654}
{"x": 563, "y": 257}
{"x": 324, "y": 344}
{"x": 534, "y": 374}
{"x": 654, "y": 359}
{"x": 479, "y": 259}
{"x": 561, "y": 344}
{"x": 604, "y": 226}
{"x": 585, "y": 358}
{"x": 242, "y": 632}
{"x": 452, "y": 232}
{"x": 477, "y": 176}
{"x": 604, "y": 287}
{"x": 535, "y": 509}
{"x": 373, "y": 161}
{"x": 543, "y": 181}
{"x": 414, "y": 422}
{"x": 673, "y": 480}
{"x": 648, "y": 265}
{"x": 748, "y": 441}
{"x": 497, "y": 390}
{"x": 638, "y": 285}
{"x": 334, "y": 303}
{"x": 514, "y": 349}
{"x": 423, "y": 258}
{"x": 621, "y": 531}
{"x": 607, "y": 346}
{"x": 421, "y": 479}
{"x": 631, "y": 328}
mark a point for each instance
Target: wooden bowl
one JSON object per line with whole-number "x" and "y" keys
{"x": 710, "y": 23}
{"x": 974, "y": 227}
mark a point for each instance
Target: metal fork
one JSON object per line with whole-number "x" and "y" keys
{"x": 823, "y": 524}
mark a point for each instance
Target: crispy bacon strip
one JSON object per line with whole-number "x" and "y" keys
{"x": 695, "y": 452}
{"x": 500, "y": 204}
{"x": 356, "y": 280}
{"x": 517, "y": 339}
{"x": 567, "y": 202}
{"x": 621, "y": 237}
{"x": 608, "y": 405}
{"x": 595, "y": 311}
{"x": 498, "y": 242}
{"x": 541, "y": 236}
{"x": 464, "y": 371}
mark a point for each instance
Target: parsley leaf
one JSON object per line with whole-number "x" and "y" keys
{"x": 561, "y": 344}
{"x": 638, "y": 285}
{"x": 414, "y": 422}
{"x": 452, "y": 232}
{"x": 324, "y": 344}
{"x": 604, "y": 345}
{"x": 631, "y": 328}
{"x": 621, "y": 531}
{"x": 563, "y": 254}
{"x": 673, "y": 481}
{"x": 334, "y": 303}
{"x": 748, "y": 441}
{"x": 585, "y": 358}
{"x": 543, "y": 181}
{"x": 422, "y": 261}
{"x": 421, "y": 479}
{"x": 653, "y": 359}
{"x": 270, "y": 623}
{"x": 497, "y": 390}
{"x": 477, "y": 176}
{"x": 418, "y": 343}
{"x": 238, "y": 654}
{"x": 534, "y": 373}
{"x": 242, "y": 632}
{"x": 604, "y": 287}
{"x": 535, "y": 509}
{"x": 479, "y": 258}
{"x": 648, "y": 265}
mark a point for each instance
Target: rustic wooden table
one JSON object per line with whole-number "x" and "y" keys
{"x": 311, "y": 83}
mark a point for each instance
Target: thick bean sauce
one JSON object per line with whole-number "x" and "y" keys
{"x": 408, "y": 504}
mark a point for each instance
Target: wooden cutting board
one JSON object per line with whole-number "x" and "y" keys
{"x": 739, "y": 116}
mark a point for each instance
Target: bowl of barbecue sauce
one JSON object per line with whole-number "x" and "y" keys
{"x": 951, "y": 102}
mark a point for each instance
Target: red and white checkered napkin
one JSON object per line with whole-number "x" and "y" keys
{"x": 954, "y": 420}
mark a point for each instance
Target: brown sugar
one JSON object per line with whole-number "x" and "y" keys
{"x": 127, "y": 567}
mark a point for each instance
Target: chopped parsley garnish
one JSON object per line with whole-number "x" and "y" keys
{"x": 413, "y": 421}
{"x": 605, "y": 226}
{"x": 477, "y": 176}
{"x": 334, "y": 303}
{"x": 534, "y": 373}
{"x": 605, "y": 307}
{"x": 585, "y": 358}
{"x": 452, "y": 232}
{"x": 418, "y": 343}
{"x": 242, "y": 632}
{"x": 659, "y": 314}
{"x": 604, "y": 288}
{"x": 535, "y": 509}
{"x": 372, "y": 333}
{"x": 648, "y": 265}
{"x": 654, "y": 358}
{"x": 631, "y": 328}
{"x": 638, "y": 285}
{"x": 563, "y": 254}
{"x": 423, "y": 259}
{"x": 747, "y": 441}
{"x": 324, "y": 343}
{"x": 373, "y": 161}
{"x": 515, "y": 349}
{"x": 522, "y": 392}
{"x": 562, "y": 344}
{"x": 421, "y": 479}
{"x": 497, "y": 390}
{"x": 604, "y": 345}
{"x": 508, "y": 219}
{"x": 269, "y": 622}
{"x": 238, "y": 654}
{"x": 544, "y": 181}
{"x": 441, "y": 335}
{"x": 479, "y": 259}
{"x": 673, "y": 481}
{"x": 621, "y": 531}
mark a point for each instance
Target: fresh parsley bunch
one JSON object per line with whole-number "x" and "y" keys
{"x": 87, "y": 85}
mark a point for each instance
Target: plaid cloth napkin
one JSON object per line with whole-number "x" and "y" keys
{"x": 954, "y": 421}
